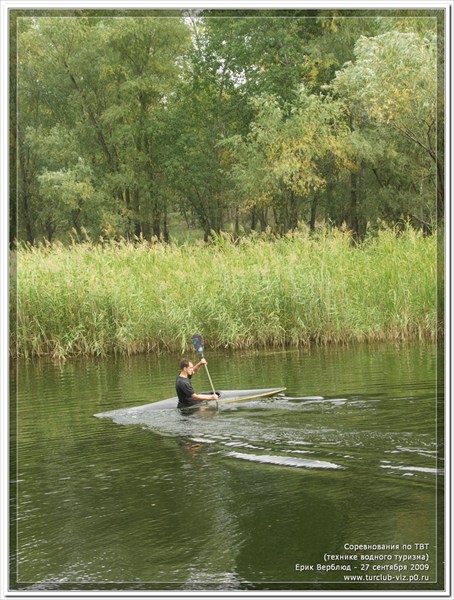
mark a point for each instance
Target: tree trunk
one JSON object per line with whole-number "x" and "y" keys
{"x": 28, "y": 225}
{"x": 137, "y": 223}
{"x": 75, "y": 218}
{"x": 354, "y": 221}
{"x": 156, "y": 219}
{"x": 313, "y": 213}
{"x": 354, "y": 180}
{"x": 166, "y": 225}
{"x": 292, "y": 211}
{"x": 440, "y": 191}
{"x": 50, "y": 230}
{"x": 25, "y": 195}
{"x": 128, "y": 210}
{"x": 263, "y": 218}
{"x": 254, "y": 218}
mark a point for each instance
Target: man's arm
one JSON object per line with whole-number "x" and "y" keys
{"x": 199, "y": 365}
{"x": 204, "y": 397}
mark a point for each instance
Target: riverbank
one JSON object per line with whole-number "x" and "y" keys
{"x": 92, "y": 299}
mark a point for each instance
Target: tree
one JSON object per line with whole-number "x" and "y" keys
{"x": 391, "y": 87}
{"x": 245, "y": 118}
{"x": 102, "y": 84}
{"x": 67, "y": 194}
{"x": 280, "y": 161}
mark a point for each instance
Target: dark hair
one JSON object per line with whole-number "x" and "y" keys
{"x": 184, "y": 362}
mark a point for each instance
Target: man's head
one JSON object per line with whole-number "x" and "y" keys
{"x": 186, "y": 367}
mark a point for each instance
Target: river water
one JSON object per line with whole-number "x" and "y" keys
{"x": 340, "y": 477}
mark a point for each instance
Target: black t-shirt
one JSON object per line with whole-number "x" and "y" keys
{"x": 184, "y": 391}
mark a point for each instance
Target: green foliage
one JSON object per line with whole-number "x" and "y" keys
{"x": 284, "y": 148}
{"x": 104, "y": 84}
{"x": 227, "y": 118}
{"x": 394, "y": 80}
{"x": 391, "y": 89}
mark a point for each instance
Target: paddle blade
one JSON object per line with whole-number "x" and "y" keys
{"x": 197, "y": 341}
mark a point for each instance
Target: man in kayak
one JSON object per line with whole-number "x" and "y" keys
{"x": 185, "y": 391}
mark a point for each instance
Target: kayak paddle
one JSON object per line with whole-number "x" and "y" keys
{"x": 197, "y": 341}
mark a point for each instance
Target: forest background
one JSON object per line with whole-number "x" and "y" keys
{"x": 163, "y": 127}
{"x": 221, "y": 120}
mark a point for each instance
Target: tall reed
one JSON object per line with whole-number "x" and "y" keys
{"x": 96, "y": 299}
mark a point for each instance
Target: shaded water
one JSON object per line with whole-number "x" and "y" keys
{"x": 265, "y": 494}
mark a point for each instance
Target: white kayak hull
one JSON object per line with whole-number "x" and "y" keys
{"x": 225, "y": 397}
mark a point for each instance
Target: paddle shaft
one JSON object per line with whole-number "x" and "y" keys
{"x": 211, "y": 383}
{"x": 197, "y": 341}
{"x": 209, "y": 377}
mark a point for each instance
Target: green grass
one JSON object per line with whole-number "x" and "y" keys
{"x": 90, "y": 299}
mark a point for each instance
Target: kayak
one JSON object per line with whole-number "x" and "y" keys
{"x": 225, "y": 397}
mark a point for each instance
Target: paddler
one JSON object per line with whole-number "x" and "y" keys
{"x": 183, "y": 385}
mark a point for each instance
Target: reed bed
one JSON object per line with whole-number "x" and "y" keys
{"x": 257, "y": 292}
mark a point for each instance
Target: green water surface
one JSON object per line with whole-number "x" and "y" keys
{"x": 277, "y": 494}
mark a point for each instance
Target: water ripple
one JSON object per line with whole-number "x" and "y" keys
{"x": 287, "y": 461}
